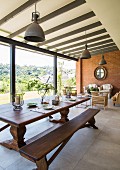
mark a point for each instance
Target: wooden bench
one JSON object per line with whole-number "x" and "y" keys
{"x": 37, "y": 150}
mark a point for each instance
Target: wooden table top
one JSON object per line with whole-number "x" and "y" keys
{"x": 26, "y": 116}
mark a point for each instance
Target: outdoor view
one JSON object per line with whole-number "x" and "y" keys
{"x": 32, "y": 70}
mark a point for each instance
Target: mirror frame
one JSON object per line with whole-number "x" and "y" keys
{"x": 105, "y": 73}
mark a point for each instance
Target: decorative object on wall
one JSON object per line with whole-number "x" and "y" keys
{"x": 85, "y": 54}
{"x": 34, "y": 32}
{"x": 103, "y": 61}
{"x": 100, "y": 73}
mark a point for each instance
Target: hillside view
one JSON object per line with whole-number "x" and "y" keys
{"x": 25, "y": 74}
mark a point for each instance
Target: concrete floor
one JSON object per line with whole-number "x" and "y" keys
{"x": 88, "y": 149}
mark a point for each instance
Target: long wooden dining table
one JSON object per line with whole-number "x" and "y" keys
{"x": 17, "y": 120}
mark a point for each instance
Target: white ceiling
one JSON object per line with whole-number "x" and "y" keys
{"x": 66, "y": 23}
{"x": 108, "y": 12}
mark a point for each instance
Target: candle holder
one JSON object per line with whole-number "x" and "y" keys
{"x": 18, "y": 101}
{"x": 68, "y": 95}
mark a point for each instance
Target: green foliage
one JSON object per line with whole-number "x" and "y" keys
{"x": 65, "y": 77}
{"x": 92, "y": 89}
{"x": 71, "y": 82}
{"x": 39, "y": 86}
{"x": 27, "y": 78}
{"x": 4, "y": 85}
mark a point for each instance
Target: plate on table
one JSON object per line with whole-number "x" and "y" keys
{"x": 48, "y": 108}
{"x": 32, "y": 104}
{"x": 72, "y": 99}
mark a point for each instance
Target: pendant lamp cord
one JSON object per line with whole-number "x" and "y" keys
{"x": 86, "y": 37}
{"x": 35, "y": 7}
{"x": 86, "y": 41}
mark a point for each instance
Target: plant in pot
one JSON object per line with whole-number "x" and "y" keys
{"x": 42, "y": 88}
{"x": 92, "y": 89}
{"x": 67, "y": 91}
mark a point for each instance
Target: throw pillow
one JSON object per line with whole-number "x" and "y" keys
{"x": 114, "y": 98}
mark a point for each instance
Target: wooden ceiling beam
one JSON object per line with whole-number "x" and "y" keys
{"x": 77, "y": 31}
{"x": 17, "y": 11}
{"x": 112, "y": 45}
{"x": 71, "y": 22}
{"x": 99, "y": 52}
{"x": 90, "y": 45}
{"x": 78, "y": 39}
{"x": 53, "y": 14}
{"x": 104, "y": 51}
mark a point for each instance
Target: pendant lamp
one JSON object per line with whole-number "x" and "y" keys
{"x": 34, "y": 32}
{"x": 85, "y": 54}
{"x": 103, "y": 61}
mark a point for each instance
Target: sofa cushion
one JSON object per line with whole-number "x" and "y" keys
{"x": 92, "y": 85}
{"x": 106, "y": 86}
{"x": 101, "y": 87}
{"x": 114, "y": 98}
{"x": 105, "y": 91}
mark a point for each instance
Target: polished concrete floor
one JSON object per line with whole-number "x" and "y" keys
{"x": 88, "y": 149}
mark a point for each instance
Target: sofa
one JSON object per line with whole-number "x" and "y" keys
{"x": 106, "y": 88}
{"x": 116, "y": 98}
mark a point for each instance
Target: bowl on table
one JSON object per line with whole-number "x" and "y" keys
{"x": 32, "y": 104}
{"x": 55, "y": 102}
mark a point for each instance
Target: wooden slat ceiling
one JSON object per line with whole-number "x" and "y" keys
{"x": 64, "y": 23}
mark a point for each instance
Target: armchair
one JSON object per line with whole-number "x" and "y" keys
{"x": 106, "y": 88}
{"x": 100, "y": 100}
{"x": 85, "y": 88}
{"x": 116, "y": 98}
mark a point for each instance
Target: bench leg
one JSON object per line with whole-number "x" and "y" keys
{"x": 42, "y": 164}
{"x": 4, "y": 127}
{"x": 58, "y": 150}
{"x": 91, "y": 123}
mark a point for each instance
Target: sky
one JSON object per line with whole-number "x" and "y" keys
{"x": 28, "y": 58}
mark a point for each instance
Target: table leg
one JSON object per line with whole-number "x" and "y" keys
{"x": 18, "y": 138}
{"x": 64, "y": 117}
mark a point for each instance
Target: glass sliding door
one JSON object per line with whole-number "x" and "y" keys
{"x": 4, "y": 74}
{"x": 65, "y": 74}
{"x": 31, "y": 69}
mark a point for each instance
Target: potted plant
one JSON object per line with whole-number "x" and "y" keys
{"x": 92, "y": 89}
{"x": 42, "y": 88}
{"x": 67, "y": 91}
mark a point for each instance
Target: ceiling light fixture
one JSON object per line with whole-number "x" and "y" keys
{"x": 85, "y": 54}
{"x": 103, "y": 61}
{"x": 34, "y": 32}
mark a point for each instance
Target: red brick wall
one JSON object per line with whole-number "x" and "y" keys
{"x": 89, "y": 65}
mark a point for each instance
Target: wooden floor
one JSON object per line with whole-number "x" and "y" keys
{"x": 89, "y": 149}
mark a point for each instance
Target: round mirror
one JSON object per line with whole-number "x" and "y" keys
{"x": 100, "y": 73}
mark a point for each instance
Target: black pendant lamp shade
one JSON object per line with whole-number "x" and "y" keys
{"x": 85, "y": 54}
{"x": 103, "y": 61}
{"x": 34, "y": 32}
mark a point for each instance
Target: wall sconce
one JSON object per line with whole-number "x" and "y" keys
{"x": 34, "y": 32}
